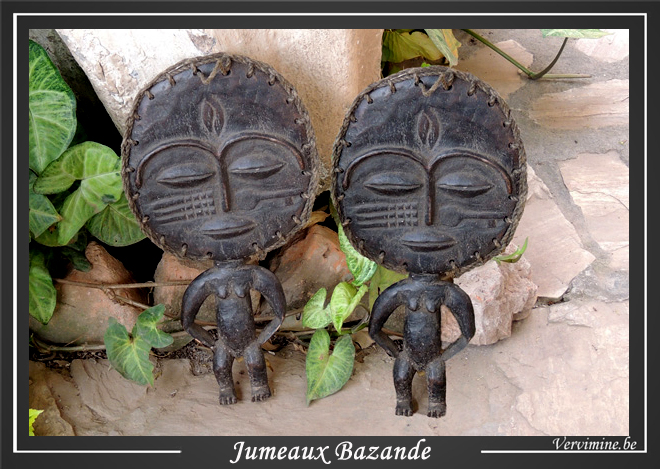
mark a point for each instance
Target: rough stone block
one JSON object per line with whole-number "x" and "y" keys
{"x": 312, "y": 263}
{"x": 608, "y": 49}
{"x": 501, "y": 293}
{"x": 104, "y": 390}
{"x": 599, "y": 104}
{"x": 575, "y": 360}
{"x": 82, "y": 312}
{"x": 495, "y": 69}
{"x": 599, "y": 185}
{"x": 554, "y": 249}
{"x": 50, "y": 421}
{"x": 328, "y": 67}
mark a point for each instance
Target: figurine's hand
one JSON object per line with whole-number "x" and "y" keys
{"x": 386, "y": 343}
{"x": 269, "y": 330}
{"x": 454, "y": 348}
{"x": 201, "y": 334}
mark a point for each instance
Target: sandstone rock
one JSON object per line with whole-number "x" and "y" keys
{"x": 50, "y": 421}
{"x": 104, "y": 390}
{"x": 599, "y": 185}
{"x": 501, "y": 293}
{"x": 495, "y": 69}
{"x": 170, "y": 269}
{"x": 609, "y": 49}
{"x": 554, "y": 249}
{"x": 328, "y": 67}
{"x": 312, "y": 263}
{"x": 573, "y": 379}
{"x": 599, "y": 104}
{"x": 81, "y": 314}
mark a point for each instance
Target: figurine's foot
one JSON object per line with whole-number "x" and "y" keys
{"x": 437, "y": 409}
{"x": 404, "y": 408}
{"x": 227, "y": 397}
{"x": 260, "y": 394}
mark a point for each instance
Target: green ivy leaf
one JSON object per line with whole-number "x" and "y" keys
{"x": 79, "y": 242}
{"x": 345, "y": 298}
{"x": 116, "y": 225}
{"x": 514, "y": 256}
{"x": 97, "y": 168}
{"x": 52, "y": 110}
{"x": 75, "y": 213}
{"x": 398, "y": 46}
{"x": 77, "y": 259}
{"x": 43, "y": 295}
{"x": 42, "y": 212}
{"x": 315, "y": 315}
{"x": 326, "y": 373}
{"x": 50, "y": 237}
{"x": 128, "y": 355}
{"x": 361, "y": 267}
{"x": 446, "y": 43}
{"x": 577, "y": 33}
{"x": 381, "y": 280}
{"x": 146, "y": 327}
{"x": 33, "y": 416}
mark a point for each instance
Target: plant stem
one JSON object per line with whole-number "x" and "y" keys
{"x": 67, "y": 348}
{"x": 531, "y": 75}
{"x": 536, "y": 76}
{"x": 124, "y": 285}
{"x": 293, "y": 312}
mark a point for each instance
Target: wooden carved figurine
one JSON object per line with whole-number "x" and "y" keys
{"x": 220, "y": 163}
{"x": 429, "y": 179}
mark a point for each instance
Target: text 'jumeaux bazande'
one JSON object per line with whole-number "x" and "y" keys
{"x": 342, "y": 452}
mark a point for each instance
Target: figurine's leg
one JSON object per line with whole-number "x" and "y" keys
{"x": 256, "y": 366}
{"x": 403, "y": 377}
{"x": 437, "y": 386}
{"x": 222, "y": 365}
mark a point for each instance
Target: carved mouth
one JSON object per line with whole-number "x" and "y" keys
{"x": 427, "y": 242}
{"x": 227, "y": 228}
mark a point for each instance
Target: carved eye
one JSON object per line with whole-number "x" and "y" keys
{"x": 463, "y": 185}
{"x": 255, "y": 168}
{"x": 185, "y": 175}
{"x": 392, "y": 183}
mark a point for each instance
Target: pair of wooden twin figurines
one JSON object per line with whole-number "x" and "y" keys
{"x": 220, "y": 162}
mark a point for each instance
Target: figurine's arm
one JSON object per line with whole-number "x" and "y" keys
{"x": 461, "y": 307}
{"x": 192, "y": 300}
{"x": 383, "y": 307}
{"x": 266, "y": 283}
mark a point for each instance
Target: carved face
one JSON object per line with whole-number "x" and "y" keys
{"x": 432, "y": 190}
{"x": 230, "y": 179}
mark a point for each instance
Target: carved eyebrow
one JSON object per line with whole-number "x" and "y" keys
{"x": 391, "y": 183}
{"x": 268, "y": 138}
{"x": 389, "y": 151}
{"x": 182, "y": 143}
{"x": 205, "y": 146}
{"x": 465, "y": 152}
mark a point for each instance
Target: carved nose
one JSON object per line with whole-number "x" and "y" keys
{"x": 224, "y": 200}
{"x": 430, "y": 203}
{"x": 225, "y": 195}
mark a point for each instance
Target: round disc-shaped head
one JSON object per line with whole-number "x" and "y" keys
{"x": 429, "y": 172}
{"x": 219, "y": 159}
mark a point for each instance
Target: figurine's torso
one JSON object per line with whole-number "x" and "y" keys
{"x": 422, "y": 325}
{"x": 231, "y": 288}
